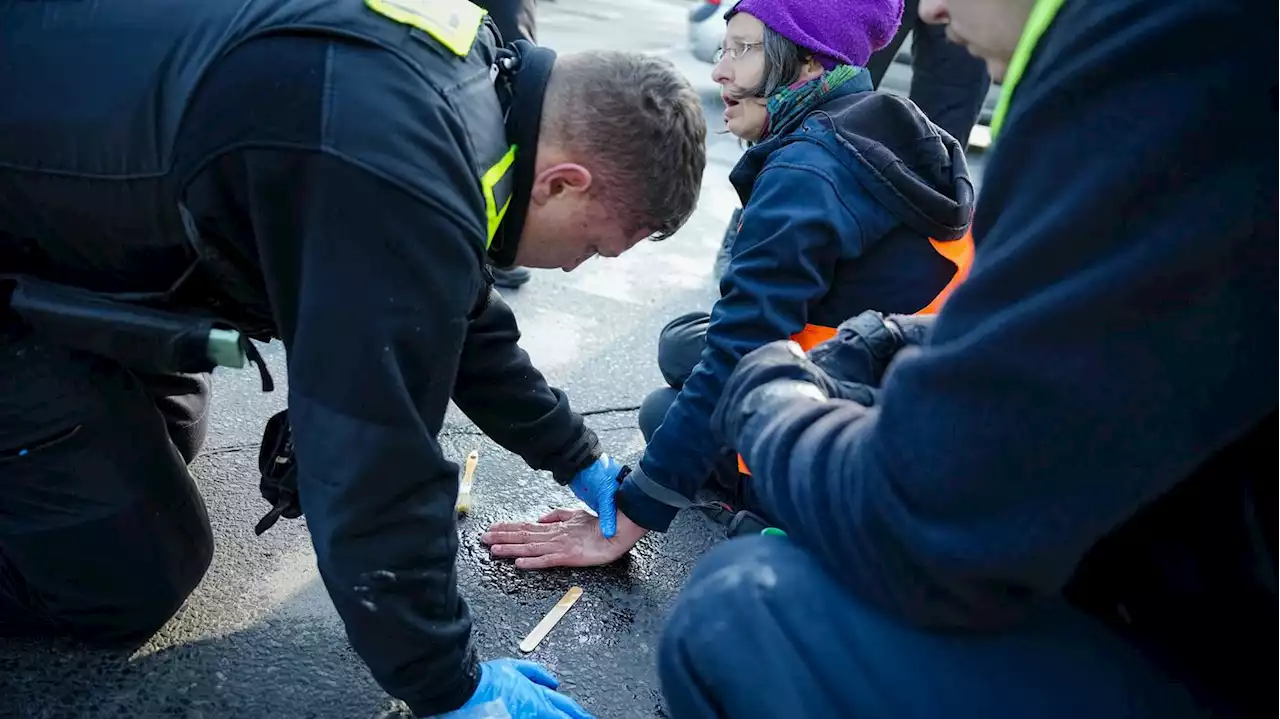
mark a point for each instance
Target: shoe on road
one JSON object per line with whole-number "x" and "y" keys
{"x": 510, "y": 277}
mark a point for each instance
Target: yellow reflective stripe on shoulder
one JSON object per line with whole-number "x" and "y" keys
{"x": 489, "y": 181}
{"x": 1041, "y": 17}
{"x": 453, "y": 23}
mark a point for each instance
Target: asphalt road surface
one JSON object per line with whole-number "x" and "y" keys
{"x": 259, "y": 637}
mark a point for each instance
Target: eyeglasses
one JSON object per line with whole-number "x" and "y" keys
{"x": 737, "y": 51}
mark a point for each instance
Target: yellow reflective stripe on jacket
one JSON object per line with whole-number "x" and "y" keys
{"x": 489, "y": 181}
{"x": 453, "y": 23}
{"x": 1041, "y": 17}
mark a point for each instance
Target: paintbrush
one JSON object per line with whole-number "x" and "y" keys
{"x": 464, "y": 491}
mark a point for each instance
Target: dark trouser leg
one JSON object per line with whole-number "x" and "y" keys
{"x": 183, "y": 401}
{"x": 947, "y": 83}
{"x": 654, "y": 408}
{"x": 761, "y": 630}
{"x": 680, "y": 346}
{"x": 102, "y": 532}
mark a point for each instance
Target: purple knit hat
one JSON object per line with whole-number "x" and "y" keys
{"x": 836, "y": 31}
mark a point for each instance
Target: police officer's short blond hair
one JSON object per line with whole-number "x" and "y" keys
{"x": 639, "y": 126}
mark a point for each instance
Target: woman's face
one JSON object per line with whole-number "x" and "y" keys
{"x": 738, "y": 72}
{"x": 741, "y": 70}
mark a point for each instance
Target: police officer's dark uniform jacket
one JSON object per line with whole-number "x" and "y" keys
{"x": 327, "y": 172}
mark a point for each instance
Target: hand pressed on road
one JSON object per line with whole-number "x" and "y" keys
{"x": 562, "y": 538}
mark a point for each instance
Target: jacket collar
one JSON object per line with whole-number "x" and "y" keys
{"x": 524, "y": 69}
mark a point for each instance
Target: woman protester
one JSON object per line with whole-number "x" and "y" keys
{"x": 852, "y": 200}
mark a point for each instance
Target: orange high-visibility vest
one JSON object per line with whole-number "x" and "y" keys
{"x": 959, "y": 252}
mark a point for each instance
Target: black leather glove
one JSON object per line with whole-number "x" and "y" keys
{"x": 784, "y": 369}
{"x": 865, "y": 345}
{"x": 279, "y": 483}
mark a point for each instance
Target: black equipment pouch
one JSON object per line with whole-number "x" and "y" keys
{"x": 279, "y": 484}
{"x": 134, "y": 335}
{"x": 736, "y": 523}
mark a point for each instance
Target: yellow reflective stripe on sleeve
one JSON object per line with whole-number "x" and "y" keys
{"x": 453, "y": 23}
{"x": 489, "y": 181}
{"x": 1041, "y": 17}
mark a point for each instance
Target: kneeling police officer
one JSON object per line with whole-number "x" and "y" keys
{"x": 334, "y": 174}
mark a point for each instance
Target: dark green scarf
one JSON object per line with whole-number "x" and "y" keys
{"x": 795, "y": 101}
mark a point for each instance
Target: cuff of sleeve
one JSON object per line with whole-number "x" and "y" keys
{"x": 461, "y": 693}
{"x": 581, "y": 453}
{"x": 641, "y": 508}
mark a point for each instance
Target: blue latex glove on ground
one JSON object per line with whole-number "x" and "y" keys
{"x": 595, "y": 486}
{"x": 525, "y": 689}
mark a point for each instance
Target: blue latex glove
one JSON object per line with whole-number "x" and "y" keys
{"x": 525, "y": 689}
{"x": 595, "y": 486}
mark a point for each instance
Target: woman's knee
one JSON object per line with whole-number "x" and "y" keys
{"x": 654, "y": 409}
{"x": 680, "y": 345}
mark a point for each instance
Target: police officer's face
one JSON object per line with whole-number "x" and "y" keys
{"x": 989, "y": 29}
{"x": 566, "y": 224}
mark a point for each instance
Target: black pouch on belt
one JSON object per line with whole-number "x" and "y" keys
{"x": 279, "y": 484}
{"x": 134, "y": 335}
{"x": 736, "y": 522}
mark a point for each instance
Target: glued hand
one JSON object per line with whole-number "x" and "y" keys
{"x": 562, "y": 538}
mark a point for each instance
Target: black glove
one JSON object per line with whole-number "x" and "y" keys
{"x": 780, "y": 370}
{"x": 865, "y": 345}
{"x": 279, "y": 483}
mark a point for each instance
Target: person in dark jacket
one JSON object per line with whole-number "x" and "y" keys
{"x": 1063, "y": 503}
{"x": 947, "y": 83}
{"x": 334, "y": 174}
{"x": 854, "y": 201}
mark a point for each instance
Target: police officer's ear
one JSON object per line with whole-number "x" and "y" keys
{"x": 559, "y": 180}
